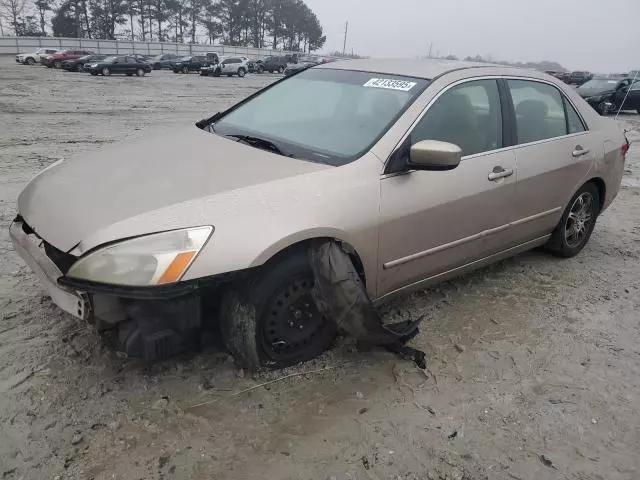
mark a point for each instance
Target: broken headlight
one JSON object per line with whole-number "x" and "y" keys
{"x": 154, "y": 259}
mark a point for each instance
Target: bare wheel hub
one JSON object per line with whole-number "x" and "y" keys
{"x": 293, "y": 322}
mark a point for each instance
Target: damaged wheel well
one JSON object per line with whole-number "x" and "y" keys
{"x": 304, "y": 244}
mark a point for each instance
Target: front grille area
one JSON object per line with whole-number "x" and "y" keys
{"x": 63, "y": 260}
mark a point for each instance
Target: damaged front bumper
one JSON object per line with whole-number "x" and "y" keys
{"x": 32, "y": 250}
{"x": 152, "y": 322}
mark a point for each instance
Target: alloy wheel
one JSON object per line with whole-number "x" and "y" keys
{"x": 580, "y": 220}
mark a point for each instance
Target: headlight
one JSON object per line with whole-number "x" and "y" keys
{"x": 93, "y": 65}
{"x": 153, "y": 259}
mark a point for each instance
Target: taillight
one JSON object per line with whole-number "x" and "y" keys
{"x": 625, "y": 148}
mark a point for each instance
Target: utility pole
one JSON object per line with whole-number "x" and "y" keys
{"x": 430, "y": 49}
{"x": 344, "y": 45}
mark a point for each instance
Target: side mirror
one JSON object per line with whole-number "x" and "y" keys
{"x": 434, "y": 155}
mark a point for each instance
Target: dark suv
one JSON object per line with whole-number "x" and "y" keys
{"x": 275, "y": 64}
{"x": 165, "y": 60}
{"x": 578, "y": 78}
{"x": 194, "y": 63}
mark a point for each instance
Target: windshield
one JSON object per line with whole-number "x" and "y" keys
{"x": 328, "y": 116}
{"x": 599, "y": 84}
{"x": 109, "y": 59}
{"x": 186, "y": 59}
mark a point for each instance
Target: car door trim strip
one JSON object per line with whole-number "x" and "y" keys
{"x": 462, "y": 241}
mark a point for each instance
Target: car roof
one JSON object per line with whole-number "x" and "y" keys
{"x": 421, "y": 68}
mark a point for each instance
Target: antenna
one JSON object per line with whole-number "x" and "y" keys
{"x": 344, "y": 45}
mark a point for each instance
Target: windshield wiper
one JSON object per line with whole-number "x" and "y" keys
{"x": 262, "y": 143}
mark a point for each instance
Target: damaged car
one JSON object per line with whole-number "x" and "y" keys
{"x": 268, "y": 220}
{"x": 604, "y": 94}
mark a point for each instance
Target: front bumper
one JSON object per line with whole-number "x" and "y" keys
{"x": 31, "y": 248}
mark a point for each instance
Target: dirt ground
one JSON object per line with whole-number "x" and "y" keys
{"x": 534, "y": 362}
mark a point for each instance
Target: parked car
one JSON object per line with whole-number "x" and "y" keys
{"x": 34, "y": 57}
{"x": 166, "y": 60}
{"x": 194, "y": 63}
{"x": 55, "y": 60}
{"x": 628, "y": 97}
{"x": 453, "y": 168}
{"x": 233, "y": 66}
{"x": 139, "y": 56}
{"x": 564, "y": 76}
{"x": 600, "y": 92}
{"x": 294, "y": 68}
{"x": 77, "y": 65}
{"x": 255, "y": 66}
{"x": 578, "y": 78}
{"x": 275, "y": 63}
{"x": 119, "y": 64}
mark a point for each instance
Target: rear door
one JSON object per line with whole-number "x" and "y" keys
{"x": 630, "y": 97}
{"x": 436, "y": 221}
{"x": 554, "y": 153}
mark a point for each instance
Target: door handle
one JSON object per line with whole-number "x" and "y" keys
{"x": 579, "y": 151}
{"x": 499, "y": 172}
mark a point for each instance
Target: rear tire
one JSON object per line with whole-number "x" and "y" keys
{"x": 57, "y": 65}
{"x": 280, "y": 70}
{"x": 577, "y": 223}
{"x": 272, "y": 321}
{"x": 185, "y": 70}
{"x": 140, "y": 72}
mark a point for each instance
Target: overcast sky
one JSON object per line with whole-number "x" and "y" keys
{"x": 594, "y": 35}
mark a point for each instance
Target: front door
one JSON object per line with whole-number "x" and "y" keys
{"x": 554, "y": 154}
{"x": 630, "y": 97}
{"x": 435, "y": 221}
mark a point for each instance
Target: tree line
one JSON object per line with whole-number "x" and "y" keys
{"x": 288, "y": 24}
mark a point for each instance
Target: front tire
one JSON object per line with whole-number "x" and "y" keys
{"x": 273, "y": 321}
{"x": 577, "y": 223}
{"x": 57, "y": 65}
{"x": 185, "y": 70}
{"x": 241, "y": 72}
{"x": 281, "y": 70}
{"x": 30, "y": 61}
{"x": 106, "y": 72}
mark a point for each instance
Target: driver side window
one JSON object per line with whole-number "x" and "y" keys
{"x": 468, "y": 115}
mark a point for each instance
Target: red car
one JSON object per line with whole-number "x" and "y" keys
{"x": 55, "y": 60}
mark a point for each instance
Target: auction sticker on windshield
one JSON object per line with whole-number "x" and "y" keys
{"x": 390, "y": 84}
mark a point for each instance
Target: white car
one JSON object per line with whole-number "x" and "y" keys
{"x": 34, "y": 57}
{"x": 234, "y": 66}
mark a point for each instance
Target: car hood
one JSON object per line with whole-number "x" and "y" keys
{"x": 76, "y": 198}
{"x": 590, "y": 92}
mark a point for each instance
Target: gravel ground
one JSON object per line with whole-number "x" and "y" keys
{"x": 534, "y": 362}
